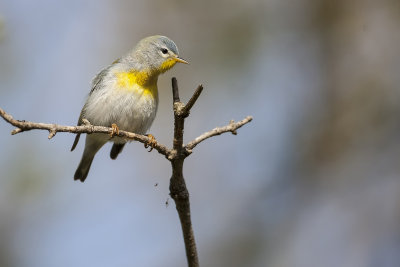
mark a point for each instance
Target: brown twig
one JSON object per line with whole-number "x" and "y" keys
{"x": 176, "y": 155}
{"x": 23, "y": 126}
{"x": 231, "y": 127}
{"x": 177, "y": 186}
{"x": 192, "y": 100}
{"x": 175, "y": 91}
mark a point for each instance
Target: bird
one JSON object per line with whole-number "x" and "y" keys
{"x": 124, "y": 96}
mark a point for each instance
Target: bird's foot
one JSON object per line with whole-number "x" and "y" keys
{"x": 115, "y": 130}
{"x": 151, "y": 143}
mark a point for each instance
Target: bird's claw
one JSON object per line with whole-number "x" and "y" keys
{"x": 115, "y": 130}
{"x": 151, "y": 143}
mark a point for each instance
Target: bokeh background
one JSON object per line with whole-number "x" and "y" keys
{"x": 312, "y": 181}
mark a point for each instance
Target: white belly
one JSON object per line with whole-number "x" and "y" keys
{"x": 129, "y": 110}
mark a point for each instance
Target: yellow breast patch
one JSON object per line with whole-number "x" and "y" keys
{"x": 138, "y": 82}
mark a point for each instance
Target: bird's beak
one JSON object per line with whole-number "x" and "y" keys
{"x": 181, "y": 60}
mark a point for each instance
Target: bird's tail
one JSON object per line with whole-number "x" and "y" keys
{"x": 83, "y": 169}
{"x": 91, "y": 147}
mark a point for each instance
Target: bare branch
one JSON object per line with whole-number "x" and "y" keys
{"x": 175, "y": 90}
{"x": 23, "y": 126}
{"x": 176, "y": 155}
{"x": 231, "y": 127}
{"x": 192, "y": 100}
{"x": 52, "y": 133}
{"x": 177, "y": 185}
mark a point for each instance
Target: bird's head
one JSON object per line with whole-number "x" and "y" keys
{"x": 156, "y": 54}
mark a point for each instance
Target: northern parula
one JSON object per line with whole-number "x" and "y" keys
{"x": 124, "y": 96}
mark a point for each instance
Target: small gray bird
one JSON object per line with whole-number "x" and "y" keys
{"x": 125, "y": 96}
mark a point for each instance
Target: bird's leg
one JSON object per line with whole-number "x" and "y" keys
{"x": 151, "y": 143}
{"x": 115, "y": 130}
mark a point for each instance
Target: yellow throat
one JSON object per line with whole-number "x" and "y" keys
{"x": 138, "y": 82}
{"x": 143, "y": 82}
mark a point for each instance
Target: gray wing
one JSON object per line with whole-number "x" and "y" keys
{"x": 78, "y": 135}
{"x": 95, "y": 85}
{"x": 99, "y": 77}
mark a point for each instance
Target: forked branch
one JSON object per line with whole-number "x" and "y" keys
{"x": 176, "y": 155}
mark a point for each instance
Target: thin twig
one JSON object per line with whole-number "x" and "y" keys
{"x": 231, "y": 127}
{"x": 176, "y": 155}
{"x": 175, "y": 91}
{"x": 23, "y": 126}
{"x": 192, "y": 101}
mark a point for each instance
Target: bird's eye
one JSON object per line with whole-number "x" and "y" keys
{"x": 164, "y": 50}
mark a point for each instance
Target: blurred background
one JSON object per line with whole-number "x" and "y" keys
{"x": 312, "y": 181}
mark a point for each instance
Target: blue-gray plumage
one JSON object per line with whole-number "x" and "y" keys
{"x": 125, "y": 94}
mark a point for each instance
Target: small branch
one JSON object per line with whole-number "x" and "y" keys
{"x": 178, "y": 120}
{"x": 15, "y": 131}
{"x": 176, "y": 155}
{"x": 52, "y": 133}
{"x": 175, "y": 91}
{"x": 177, "y": 186}
{"x": 192, "y": 101}
{"x": 231, "y": 127}
{"x": 23, "y": 126}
